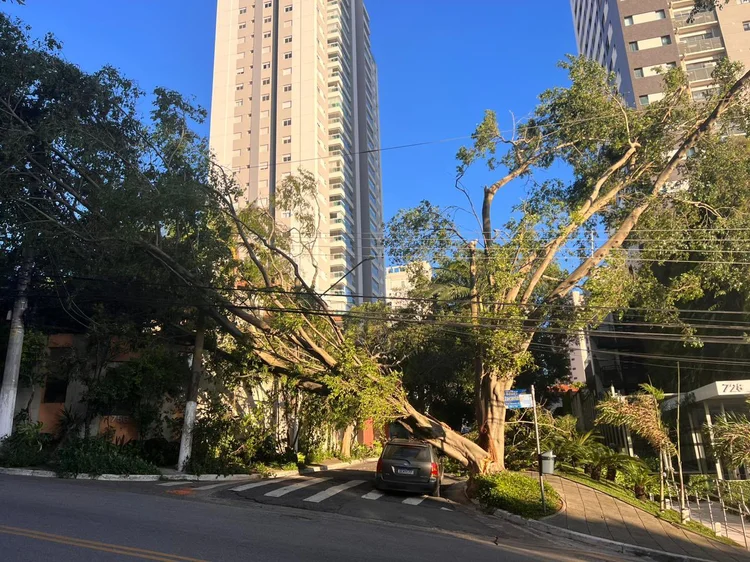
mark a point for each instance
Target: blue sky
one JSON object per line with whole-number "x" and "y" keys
{"x": 441, "y": 64}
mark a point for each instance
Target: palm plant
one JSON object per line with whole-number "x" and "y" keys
{"x": 732, "y": 439}
{"x": 641, "y": 478}
{"x": 576, "y": 448}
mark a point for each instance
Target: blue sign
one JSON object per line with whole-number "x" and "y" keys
{"x": 517, "y": 399}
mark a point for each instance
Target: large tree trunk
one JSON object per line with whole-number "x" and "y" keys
{"x": 9, "y": 389}
{"x": 452, "y": 443}
{"x": 491, "y": 423}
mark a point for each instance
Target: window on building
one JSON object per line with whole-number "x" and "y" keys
{"x": 266, "y": 81}
{"x": 265, "y": 97}
{"x": 243, "y": 25}
{"x": 286, "y": 122}
{"x": 288, "y": 88}
{"x": 288, "y": 39}
{"x": 287, "y": 158}
{"x": 238, "y": 103}
{"x": 628, "y": 21}
{"x": 263, "y": 148}
{"x": 263, "y": 165}
{"x": 666, "y": 40}
{"x": 287, "y": 55}
{"x": 267, "y": 19}
{"x": 286, "y": 105}
{"x": 267, "y": 5}
{"x": 288, "y": 8}
{"x": 661, "y": 14}
{"x": 267, "y": 35}
{"x": 239, "y": 87}
{"x": 638, "y": 72}
{"x": 264, "y": 114}
{"x": 671, "y": 65}
{"x": 643, "y": 100}
{"x": 264, "y": 130}
{"x": 288, "y": 23}
{"x": 240, "y": 71}
{"x": 286, "y": 71}
{"x": 266, "y": 65}
{"x": 633, "y": 46}
{"x": 243, "y": 10}
{"x": 286, "y": 140}
{"x": 746, "y": 25}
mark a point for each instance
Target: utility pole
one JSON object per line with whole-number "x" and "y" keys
{"x": 9, "y": 389}
{"x": 191, "y": 405}
{"x": 684, "y": 511}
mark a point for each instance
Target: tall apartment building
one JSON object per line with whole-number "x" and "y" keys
{"x": 295, "y": 86}
{"x": 633, "y": 38}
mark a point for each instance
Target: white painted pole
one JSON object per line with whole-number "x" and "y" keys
{"x": 538, "y": 451}
{"x": 9, "y": 389}
{"x": 191, "y": 404}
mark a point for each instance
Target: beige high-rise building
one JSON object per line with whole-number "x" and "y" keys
{"x": 633, "y": 38}
{"x": 295, "y": 86}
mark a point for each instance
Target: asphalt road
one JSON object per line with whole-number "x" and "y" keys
{"x": 64, "y": 520}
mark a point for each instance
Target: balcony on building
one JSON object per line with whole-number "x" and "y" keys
{"x": 684, "y": 19}
{"x": 701, "y": 46}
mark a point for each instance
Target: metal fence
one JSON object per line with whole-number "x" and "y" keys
{"x": 721, "y": 505}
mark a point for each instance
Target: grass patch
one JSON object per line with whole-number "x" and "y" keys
{"x": 516, "y": 493}
{"x": 648, "y": 506}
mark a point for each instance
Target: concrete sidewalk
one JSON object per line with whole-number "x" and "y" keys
{"x": 597, "y": 514}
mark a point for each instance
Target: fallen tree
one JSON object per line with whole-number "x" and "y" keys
{"x": 85, "y": 168}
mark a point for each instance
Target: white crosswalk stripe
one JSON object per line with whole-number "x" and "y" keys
{"x": 294, "y": 487}
{"x": 333, "y": 490}
{"x": 168, "y": 484}
{"x": 372, "y": 495}
{"x": 413, "y": 501}
{"x": 257, "y": 484}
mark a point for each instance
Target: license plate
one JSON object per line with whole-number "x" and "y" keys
{"x": 409, "y": 471}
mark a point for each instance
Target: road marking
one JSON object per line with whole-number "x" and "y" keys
{"x": 101, "y": 546}
{"x": 294, "y": 487}
{"x": 413, "y": 501}
{"x": 372, "y": 495}
{"x": 256, "y": 484}
{"x": 179, "y": 483}
{"x": 333, "y": 490}
{"x": 212, "y": 486}
{"x": 446, "y": 509}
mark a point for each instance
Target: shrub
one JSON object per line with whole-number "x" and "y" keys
{"x": 26, "y": 446}
{"x": 99, "y": 455}
{"x": 516, "y": 493}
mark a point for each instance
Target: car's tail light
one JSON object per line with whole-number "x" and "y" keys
{"x": 434, "y": 472}
{"x": 379, "y": 468}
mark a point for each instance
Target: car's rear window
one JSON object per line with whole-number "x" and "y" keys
{"x": 407, "y": 452}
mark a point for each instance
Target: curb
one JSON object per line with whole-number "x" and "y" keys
{"x": 621, "y": 547}
{"x": 28, "y": 472}
{"x": 176, "y": 476}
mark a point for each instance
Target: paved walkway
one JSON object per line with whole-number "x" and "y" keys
{"x": 595, "y": 513}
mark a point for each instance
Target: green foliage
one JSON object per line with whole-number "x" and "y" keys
{"x": 516, "y": 493}
{"x": 100, "y": 455}
{"x": 27, "y": 446}
{"x": 139, "y": 387}
{"x": 225, "y": 442}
